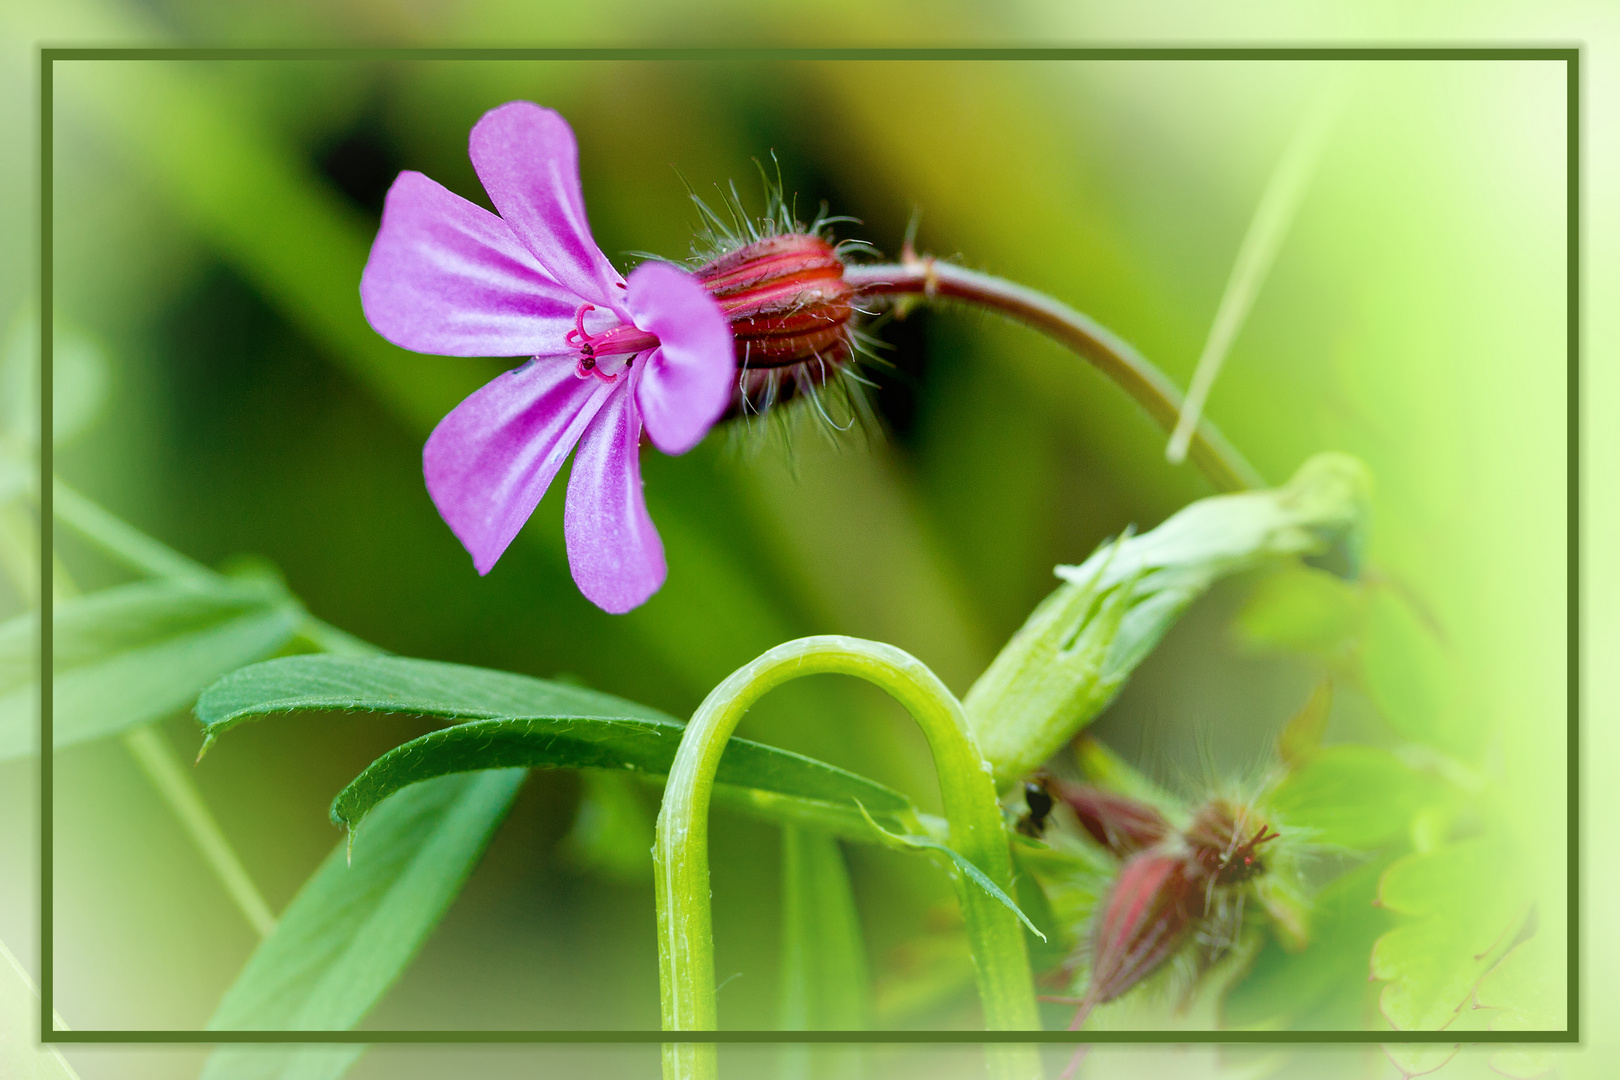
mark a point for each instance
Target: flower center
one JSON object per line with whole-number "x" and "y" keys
{"x": 621, "y": 340}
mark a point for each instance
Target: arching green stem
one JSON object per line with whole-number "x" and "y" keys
{"x": 681, "y": 853}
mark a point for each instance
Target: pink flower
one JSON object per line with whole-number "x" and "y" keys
{"x": 607, "y": 355}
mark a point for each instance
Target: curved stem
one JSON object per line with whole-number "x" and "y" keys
{"x": 1216, "y": 458}
{"x": 681, "y": 852}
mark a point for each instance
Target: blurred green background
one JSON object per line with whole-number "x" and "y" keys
{"x": 211, "y": 221}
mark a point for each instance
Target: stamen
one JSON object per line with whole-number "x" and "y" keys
{"x": 578, "y": 331}
{"x": 587, "y": 367}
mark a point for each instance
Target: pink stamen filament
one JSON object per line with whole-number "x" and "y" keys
{"x": 620, "y": 341}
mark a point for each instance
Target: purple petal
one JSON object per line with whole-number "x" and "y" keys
{"x": 688, "y": 380}
{"x": 450, "y": 278}
{"x": 613, "y": 549}
{"x": 488, "y": 463}
{"x": 528, "y": 161}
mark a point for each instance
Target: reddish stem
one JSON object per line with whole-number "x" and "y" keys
{"x": 1217, "y": 459}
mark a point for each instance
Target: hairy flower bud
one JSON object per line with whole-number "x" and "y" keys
{"x": 1149, "y": 914}
{"x": 1118, "y": 822}
{"x": 1224, "y": 842}
{"x": 790, "y": 311}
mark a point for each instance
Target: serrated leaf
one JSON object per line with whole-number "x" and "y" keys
{"x": 136, "y": 653}
{"x": 1462, "y": 904}
{"x": 1528, "y": 990}
{"x": 1300, "y": 610}
{"x": 1419, "y": 1059}
{"x": 1352, "y": 796}
{"x": 1324, "y": 986}
{"x": 355, "y": 926}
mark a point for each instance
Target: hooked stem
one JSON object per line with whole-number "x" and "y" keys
{"x": 976, "y": 831}
{"x": 1217, "y": 459}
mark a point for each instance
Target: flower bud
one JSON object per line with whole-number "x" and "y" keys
{"x": 790, "y": 311}
{"x": 1118, "y": 822}
{"x": 1224, "y": 842}
{"x": 1149, "y": 914}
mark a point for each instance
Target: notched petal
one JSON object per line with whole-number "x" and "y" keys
{"x": 489, "y": 462}
{"x": 688, "y": 380}
{"x": 528, "y": 161}
{"x": 448, "y": 277}
{"x": 613, "y": 549}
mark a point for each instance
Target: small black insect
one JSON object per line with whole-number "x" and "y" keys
{"x": 1038, "y": 800}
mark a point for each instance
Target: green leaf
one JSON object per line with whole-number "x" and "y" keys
{"x": 1077, "y": 649}
{"x": 824, "y": 972}
{"x": 1299, "y": 609}
{"x": 1410, "y": 677}
{"x": 594, "y": 742}
{"x": 1051, "y": 944}
{"x": 15, "y": 478}
{"x": 136, "y": 653}
{"x": 515, "y": 720}
{"x": 1527, "y": 991}
{"x": 1324, "y": 986}
{"x": 275, "y": 1063}
{"x": 1301, "y": 737}
{"x": 1462, "y": 904}
{"x": 1352, "y": 796}
{"x": 612, "y": 833}
{"x": 353, "y": 927}
{"x": 21, "y": 1057}
{"x": 78, "y": 385}
{"x": 915, "y": 842}
{"x": 1419, "y": 1059}
{"x": 397, "y": 684}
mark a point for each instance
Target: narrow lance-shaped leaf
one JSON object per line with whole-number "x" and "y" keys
{"x": 574, "y": 728}
{"x": 824, "y": 972}
{"x": 354, "y": 927}
{"x": 957, "y": 860}
{"x": 590, "y": 742}
{"x": 1079, "y": 646}
{"x": 135, "y": 653}
{"x": 397, "y": 684}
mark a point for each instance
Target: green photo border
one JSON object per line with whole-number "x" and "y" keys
{"x": 1569, "y": 55}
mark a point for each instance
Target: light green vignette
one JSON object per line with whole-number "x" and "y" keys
{"x": 976, "y": 831}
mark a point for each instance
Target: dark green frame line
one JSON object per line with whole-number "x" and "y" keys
{"x": 47, "y": 565}
{"x": 1568, "y": 54}
{"x": 1065, "y": 1038}
{"x": 1575, "y": 695}
{"x": 1257, "y": 52}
